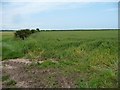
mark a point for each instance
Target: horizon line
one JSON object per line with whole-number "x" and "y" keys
{"x": 60, "y": 29}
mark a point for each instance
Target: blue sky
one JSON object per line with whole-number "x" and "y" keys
{"x": 62, "y": 15}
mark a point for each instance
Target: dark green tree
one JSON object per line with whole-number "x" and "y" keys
{"x": 23, "y": 33}
{"x": 33, "y": 31}
{"x": 38, "y": 29}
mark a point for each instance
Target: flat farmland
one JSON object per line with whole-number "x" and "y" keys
{"x": 82, "y": 59}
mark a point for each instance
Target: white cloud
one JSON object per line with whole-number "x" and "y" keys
{"x": 14, "y": 11}
{"x": 22, "y": 11}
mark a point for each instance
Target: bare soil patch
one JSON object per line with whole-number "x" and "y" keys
{"x": 28, "y": 76}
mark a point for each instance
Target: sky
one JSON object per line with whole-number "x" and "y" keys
{"x": 58, "y": 15}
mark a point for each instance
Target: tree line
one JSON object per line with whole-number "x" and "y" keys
{"x": 24, "y": 33}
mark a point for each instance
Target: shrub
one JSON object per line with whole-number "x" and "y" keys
{"x": 38, "y": 29}
{"x": 24, "y": 33}
{"x": 33, "y": 31}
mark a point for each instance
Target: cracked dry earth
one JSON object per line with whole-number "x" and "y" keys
{"x": 25, "y": 76}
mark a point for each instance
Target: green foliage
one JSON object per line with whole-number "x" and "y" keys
{"x": 22, "y": 33}
{"x": 93, "y": 55}
{"x": 11, "y": 82}
{"x": 48, "y": 64}
{"x": 38, "y": 29}
{"x": 33, "y": 31}
{"x": 7, "y": 81}
{"x": 25, "y": 33}
{"x": 5, "y": 77}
